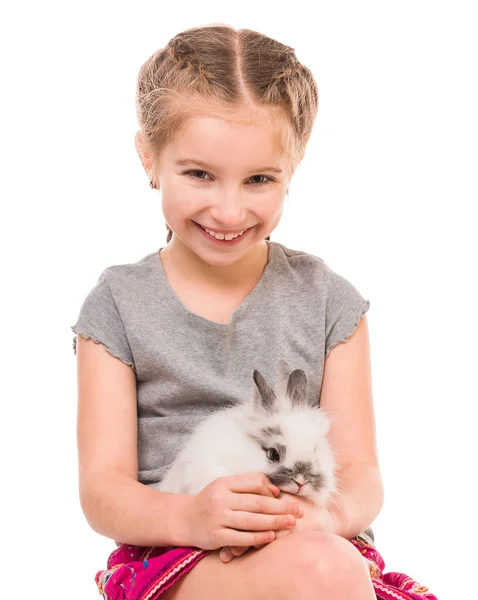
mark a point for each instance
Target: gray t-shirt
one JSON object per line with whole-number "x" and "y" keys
{"x": 186, "y": 365}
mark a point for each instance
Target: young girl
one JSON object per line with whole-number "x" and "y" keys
{"x": 225, "y": 117}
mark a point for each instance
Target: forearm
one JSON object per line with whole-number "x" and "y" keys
{"x": 360, "y": 499}
{"x": 128, "y": 511}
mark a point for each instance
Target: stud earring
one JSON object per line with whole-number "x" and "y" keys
{"x": 152, "y": 184}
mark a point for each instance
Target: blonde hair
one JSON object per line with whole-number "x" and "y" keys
{"x": 218, "y": 70}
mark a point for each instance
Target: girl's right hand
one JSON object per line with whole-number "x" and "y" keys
{"x": 239, "y": 510}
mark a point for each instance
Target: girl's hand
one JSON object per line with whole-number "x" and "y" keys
{"x": 238, "y": 510}
{"x": 314, "y": 519}
{"x": 230, "y": 552}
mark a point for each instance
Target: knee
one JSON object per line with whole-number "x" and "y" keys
{"x": 327, "y": 562}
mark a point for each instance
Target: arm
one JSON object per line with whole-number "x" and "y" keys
{"x": 346, "y": 397}
{"x": 114, "y": 503}
{"x": 125, "y": 510}
{"x": 360, "y": 501}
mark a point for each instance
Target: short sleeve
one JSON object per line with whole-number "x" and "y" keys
{"x": 100, "y": 320}
{"x": 344, "y": 308}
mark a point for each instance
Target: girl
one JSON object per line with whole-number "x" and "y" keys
{"x": 224, "y": 118}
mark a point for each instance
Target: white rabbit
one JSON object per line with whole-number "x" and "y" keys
{"x": 283, "y": 437}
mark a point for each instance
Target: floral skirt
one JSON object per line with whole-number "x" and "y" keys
{"x": 144, "y": 573}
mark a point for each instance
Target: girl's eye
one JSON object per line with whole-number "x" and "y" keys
{"x": 196, "y": 171}
{"x": 273, "y": 455}
{"x": 192, "y": 173}
{"x": 263, "y": 182}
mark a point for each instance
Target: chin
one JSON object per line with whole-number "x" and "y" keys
{"x": 214, "y": 260}
{"x": 217, "y": 258}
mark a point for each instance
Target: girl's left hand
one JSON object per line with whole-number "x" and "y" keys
{"x": 313, "y": 518}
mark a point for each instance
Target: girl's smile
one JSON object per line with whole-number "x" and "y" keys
{"x": 222, "y": 242}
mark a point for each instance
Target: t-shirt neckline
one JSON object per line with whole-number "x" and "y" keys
{"x": 252, "y": 297}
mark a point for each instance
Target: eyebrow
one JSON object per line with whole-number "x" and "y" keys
{"x": 186, "y": 161}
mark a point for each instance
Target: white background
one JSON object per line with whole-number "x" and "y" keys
{"x": 386, "y": 194}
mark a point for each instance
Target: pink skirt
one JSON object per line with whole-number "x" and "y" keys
{"x": 144, "y": 573}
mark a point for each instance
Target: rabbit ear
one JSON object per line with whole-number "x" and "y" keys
{"x": 297, "y": 388}
{"x": 263, "y": 394}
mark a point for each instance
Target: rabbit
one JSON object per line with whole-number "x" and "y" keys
{"x": 282, "y": 436}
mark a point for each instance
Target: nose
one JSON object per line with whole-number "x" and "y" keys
{"x": 301, "y": 485}
{"x": 229, "y": 211}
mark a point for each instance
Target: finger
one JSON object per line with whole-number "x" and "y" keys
{"x": 226, "y": 555}
{"x": 257, "y": 483}
{"x": 238, "y": 550}
{"x": 255, "y": 503}
{"x": 235, "y": 537}
{"x": 246, "y": 521}
{"x": 274, "y": 489}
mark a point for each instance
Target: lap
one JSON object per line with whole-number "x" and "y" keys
{"x": 279, "y": 568}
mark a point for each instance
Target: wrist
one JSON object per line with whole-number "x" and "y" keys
{"x": 180, "y": 519}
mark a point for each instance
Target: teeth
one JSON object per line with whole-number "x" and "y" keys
{"x": 221, "y": 236}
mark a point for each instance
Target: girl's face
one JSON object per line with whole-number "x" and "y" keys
{"x": 224, "y": 176}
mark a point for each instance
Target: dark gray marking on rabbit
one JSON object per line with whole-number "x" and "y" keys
{"x": 297, "y": 389}
{"x": 264, "y": 394}
{"x": 271, "y": 431}
{"x": 301, "y": 470}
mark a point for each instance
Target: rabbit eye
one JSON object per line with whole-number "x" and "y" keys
{"x": 273, "y": 455}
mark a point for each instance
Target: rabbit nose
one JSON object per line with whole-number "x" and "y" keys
{"x": 301, "y": 485}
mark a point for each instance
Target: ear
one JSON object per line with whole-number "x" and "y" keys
{"x": 297, "y": 388}
{"x": 263, "y": 394}
{"x": 145, "y": 156}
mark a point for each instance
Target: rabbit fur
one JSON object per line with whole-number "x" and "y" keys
{"x": 283, "y": 436}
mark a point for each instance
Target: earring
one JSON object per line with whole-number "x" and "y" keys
{"x": 152, "y": 184}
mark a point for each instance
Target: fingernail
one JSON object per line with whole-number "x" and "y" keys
{"x": 298, "y": 510}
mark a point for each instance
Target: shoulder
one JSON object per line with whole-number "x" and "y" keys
{"x": 108, "y": 313}
{"x": 126, "y": 277}
{"x": 297, "y": 258}
{"x": 299, "y": 266}
{"x": 313, "y": 268}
